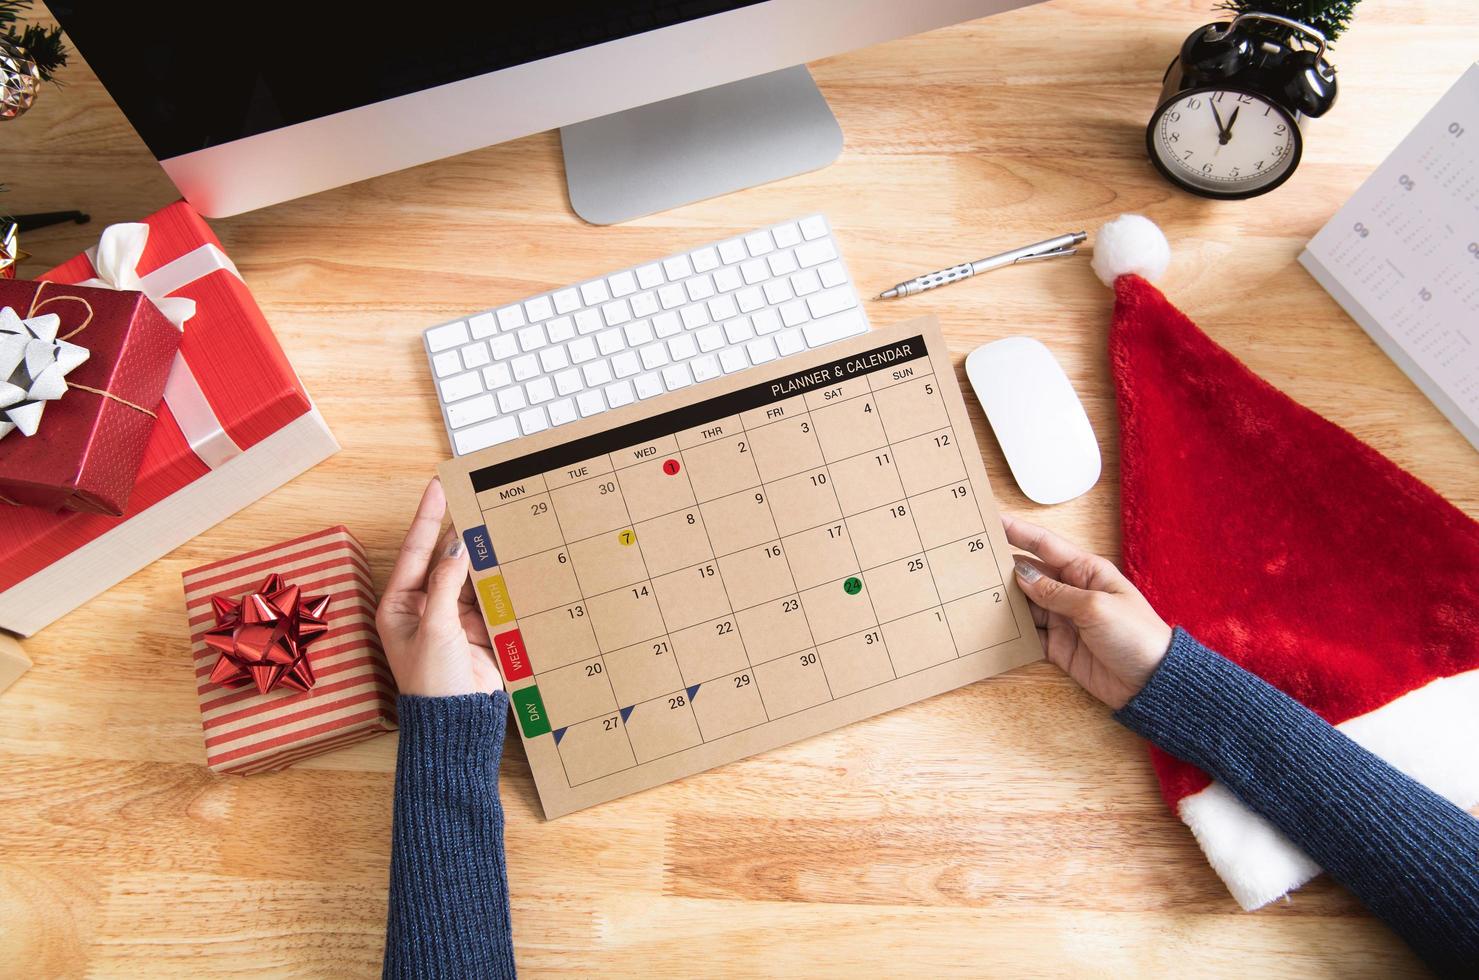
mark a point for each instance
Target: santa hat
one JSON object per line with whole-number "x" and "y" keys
{"x": 1295, "y": 550}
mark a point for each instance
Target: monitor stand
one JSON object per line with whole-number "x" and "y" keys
{"x": 697, "y": 146}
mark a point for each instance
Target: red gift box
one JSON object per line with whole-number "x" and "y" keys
{"x": 87, "y": 452}
{"x": 235, "y": 423}
{"x": 352, "y": 696}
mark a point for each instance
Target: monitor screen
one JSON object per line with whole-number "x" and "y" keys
{"x": 190, "y": 76}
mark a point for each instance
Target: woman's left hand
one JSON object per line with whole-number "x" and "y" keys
{"x": 428, "y": 620}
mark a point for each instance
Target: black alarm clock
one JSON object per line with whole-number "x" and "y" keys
{"x": 1227, "y": 124}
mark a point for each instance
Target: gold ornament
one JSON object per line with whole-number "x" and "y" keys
{"x": 20, "y": 80}
{"x": 11, "y": 253}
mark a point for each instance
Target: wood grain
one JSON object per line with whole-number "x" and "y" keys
{"x": 1010, "y": 828}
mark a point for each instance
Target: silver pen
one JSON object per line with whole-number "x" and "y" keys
{"x": 1053, "y": 248}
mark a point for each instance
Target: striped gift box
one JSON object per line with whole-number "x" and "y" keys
{"x": 354, "y": 697}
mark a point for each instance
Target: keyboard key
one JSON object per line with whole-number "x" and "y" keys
{"x": 597, "y": 373}
{"x": 705, "y": 259}
{"x": 622, "y": 284}
{"x": 496, "y": 376}
{"x": 590, "y": 403}
{"x": 849, "y": 323}
{"x": 794, "y": 313}
{"x": 782, "y": 263}
{"x": 560, "y": 329}
{"x": 445, "y": 363}
{"x": 569, "y": 381}
{"x": 561, "y": 412}
{"x": 654, "y": 356}
{"x": 648, "y": 385}
{"x": 733, "y": 359}
{"x": 503, "y": 346}
{"x": 699, "y": 288}
{"x": 638, "y": 333}
{"x": 461, "y": 386}
{"x": 539, "y": 309}
{"x": 483, "y": 325}
{"x": 532, "y": 338}
{"x": 790, "y": 342}
{"x": 553, "y": 359}
{"x": 832, "y": 274}
{"x": 447, "y": 335}
{"x": 815, "y": 253}
{"x": 806, "y": 282}
{"x": 682, "y": 347}
{"x": 831, "y": 301}
{"x": 540, "y": 390}
{"x": 677, "y": 267}
{"x": 667, "y": 324}
{"x": 619, "y": 394}
{"x": 470, "y": 410}
{"x": 813, "y": 227}
{"x": 710, "y": 338}
{"x": 595, "y": 292}
{"x": 626, "y": 364}
{"x": 645, "y": 304}
{"x": 777, "y": 291}
{"x": 511, "y": 399}
{"x": 616, "y": 313}
{"x": 727, "y": 278}
{"x": 750, "y": 299}
{"x": 723, "y": 307}
{"x": 676, "y": 376}
{"x": 588, "y": 321}
{"x": 533, "y": 421}
{"x": 786, "y": 236}
{"x": 567, "y": 301}
{"x": 732, "y": 251}
{"x": 511, "y": 318}
{"x": 754, "y": 271}
{"x": 695, "y": 316}
{"x": 766, "y": 321}
{"x": 582, "y": 350}
{"x": 761, "y": 349}
{"x": 649, "y": 276}
{"x": 704, "y": 367}
{"x": 759, "y": 243}
{"x": 609, "y": 342}
{"x": 739, "y": 330}
{"x": 476, "y": 437}
{"x": 476, "y": 355}
{"x": 671, "y": 296}
{"x": 524, "y": 367}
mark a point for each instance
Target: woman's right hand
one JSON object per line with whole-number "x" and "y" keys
{"x": 1100, "y": 630}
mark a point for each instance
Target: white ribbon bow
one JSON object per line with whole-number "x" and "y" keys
{"x": 117, "y": 265}
{"x": 33, "y": 366}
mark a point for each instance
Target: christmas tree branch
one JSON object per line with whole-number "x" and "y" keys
{"x": 1329, "y": 17}
{"x": 43, "y": 45}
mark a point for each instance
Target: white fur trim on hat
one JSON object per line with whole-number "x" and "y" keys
{"x": 1130, "y": 243}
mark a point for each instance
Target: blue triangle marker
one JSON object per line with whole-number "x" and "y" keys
{"x": 692, "y": 691}
{"x": 559, "y": 734}
{"x": 626, "y": 713}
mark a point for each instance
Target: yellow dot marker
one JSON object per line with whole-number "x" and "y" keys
{"x": 626, "y": 537}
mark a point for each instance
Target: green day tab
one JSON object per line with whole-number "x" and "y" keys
{"x": 529, "y": 706}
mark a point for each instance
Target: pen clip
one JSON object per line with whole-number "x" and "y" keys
{"x": 1052, "y": 253}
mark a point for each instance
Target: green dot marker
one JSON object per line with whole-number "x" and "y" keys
{"x": 852, "y": 586}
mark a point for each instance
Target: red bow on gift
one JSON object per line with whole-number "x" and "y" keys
{"x": 262, "y": 636}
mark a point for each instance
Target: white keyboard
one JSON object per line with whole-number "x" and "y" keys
{"x": 572, "y": 353}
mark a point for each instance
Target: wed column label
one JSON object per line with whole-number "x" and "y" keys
{"x": 529, "y": 706}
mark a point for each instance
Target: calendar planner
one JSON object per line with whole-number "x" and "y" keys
{"x": 1402, "y": 256}
{"x": 723, "y": 570}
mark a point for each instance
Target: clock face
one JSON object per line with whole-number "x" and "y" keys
{"x": 1224, "y": 143}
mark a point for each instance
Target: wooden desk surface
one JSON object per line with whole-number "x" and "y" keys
{"x": 1008, "y": 828}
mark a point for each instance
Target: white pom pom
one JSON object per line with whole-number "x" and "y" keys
{"x": 1130, "y": 243}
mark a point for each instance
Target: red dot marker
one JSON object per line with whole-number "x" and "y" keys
{"x": 671, "y": 467}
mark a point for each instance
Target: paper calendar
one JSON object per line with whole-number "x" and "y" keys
{"x": 684, "y": 582}
{"x": 1402, "y": 256}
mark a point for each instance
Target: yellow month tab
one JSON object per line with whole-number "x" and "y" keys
{"x": 497, "y": 608}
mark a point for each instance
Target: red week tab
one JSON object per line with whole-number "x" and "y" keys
{"x": 512, "y": 656}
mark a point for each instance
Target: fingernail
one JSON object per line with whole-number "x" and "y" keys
{"x": 1026, "y": 570}
{"x": 455, "y": 548}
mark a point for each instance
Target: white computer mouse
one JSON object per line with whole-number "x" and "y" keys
{"x": 1037, "y": 418}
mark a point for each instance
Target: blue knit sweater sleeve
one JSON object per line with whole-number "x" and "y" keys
{"x": 1408, "y": 854}
{"x": 449, "y": 914}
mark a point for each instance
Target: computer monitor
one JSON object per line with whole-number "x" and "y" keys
{"x": 661, "y": 103}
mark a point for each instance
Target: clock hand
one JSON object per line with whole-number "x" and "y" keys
{"x": 1227, "y": 133}
{"x": 1221, "y": 129}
